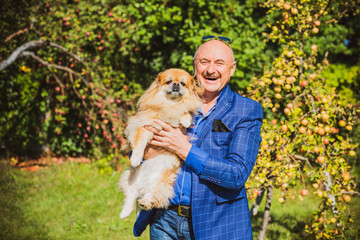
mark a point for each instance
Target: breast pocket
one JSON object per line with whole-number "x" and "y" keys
{"x": 221, "y": 139}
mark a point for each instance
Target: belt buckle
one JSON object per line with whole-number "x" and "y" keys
{"x": 179, "y": 208}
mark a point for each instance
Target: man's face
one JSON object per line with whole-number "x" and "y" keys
{"x": 214, "y": 65}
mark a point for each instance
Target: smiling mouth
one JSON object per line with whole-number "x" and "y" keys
{"x": 211, "y": 78}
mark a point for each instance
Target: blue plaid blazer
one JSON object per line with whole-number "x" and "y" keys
{"x": 219, "y": 206}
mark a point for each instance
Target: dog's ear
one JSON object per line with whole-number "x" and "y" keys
{"x": 159, "y": 78}
{"x": 198, "y": 90}
{"x": 150, "y": 92}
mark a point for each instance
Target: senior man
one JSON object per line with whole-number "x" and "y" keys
{"x": 210, "y": 198}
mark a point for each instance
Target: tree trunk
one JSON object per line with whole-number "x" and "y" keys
{"x": 256, "y": 205}
{"x": 267, "y": 217}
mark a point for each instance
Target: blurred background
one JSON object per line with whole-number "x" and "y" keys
{"x": 71, "y": 73}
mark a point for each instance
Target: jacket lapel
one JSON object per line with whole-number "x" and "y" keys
{"x": 221, "y": 108}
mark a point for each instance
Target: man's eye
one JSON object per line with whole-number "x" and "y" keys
{"x": 182, "y": 83}
{"x": 168, "y": 82}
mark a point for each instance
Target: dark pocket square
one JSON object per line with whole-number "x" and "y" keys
{"x": 219, "y": 126}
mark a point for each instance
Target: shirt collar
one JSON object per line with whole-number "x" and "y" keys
{"x": 217, "y": 100}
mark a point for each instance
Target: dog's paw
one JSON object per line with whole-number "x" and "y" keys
{"x": 186, "y": 121}
{"x": 145, "y": 204}
{"x": 135, "y": 159}
{"x": 125, "y": 213}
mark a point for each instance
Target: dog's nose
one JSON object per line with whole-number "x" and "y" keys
{"x": 176, "y": 87}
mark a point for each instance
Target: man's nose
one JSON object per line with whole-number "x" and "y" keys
{"x": 211, "y": 68}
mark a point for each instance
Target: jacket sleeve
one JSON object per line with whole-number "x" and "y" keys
{"x": 232, "y": 171}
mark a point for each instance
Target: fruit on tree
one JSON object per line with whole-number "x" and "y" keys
{"x": 304, "y": 83}
{"x": 287, "y": 111}
{"x": 302, "y": 129}
{"x": 342, "y": 123}
{"x": 315, "y": 30}
{"x": 352, "y": 153}
{"x": 349, "y": 127}
{"x": 304, "y": 192}
{"x": 286, "y": 6}
{"x": 321, "y": 131}
{"x": 304, "y": 122}
{"x": 316, "y": 150}
{"x": 279, "y": 72}
{"x": 346, "y": 176}
{"x": 294, "y": 11}
{"x": 284, "y": 128}
{"x": 347, "y": 198}
{"x": 321, "y": 159}
{"x": 317, "y": 23}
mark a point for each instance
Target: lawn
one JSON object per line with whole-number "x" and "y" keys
{"x": 74, "y": 201}
{"x": 68, "y": 201}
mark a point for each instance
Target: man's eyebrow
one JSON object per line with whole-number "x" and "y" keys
{"x": 217, "y": 60}
{"x": 203, "y": 59}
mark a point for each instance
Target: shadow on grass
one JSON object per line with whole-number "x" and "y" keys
{"x": 286, "y": 226}
{"x": 13, "y": 223}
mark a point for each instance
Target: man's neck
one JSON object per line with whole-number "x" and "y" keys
{"x": 209, "y": 100}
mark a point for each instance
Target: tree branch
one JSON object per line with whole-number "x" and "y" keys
{"x": 49, "y": 65}
{"x": 15, "y": 54}
{"x": 37, "y": 43}
{"x": 22, "y": 31}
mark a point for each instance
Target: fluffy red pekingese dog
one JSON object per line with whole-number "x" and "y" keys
{"x": 173, "y": 98}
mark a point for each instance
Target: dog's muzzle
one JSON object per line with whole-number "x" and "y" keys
{"x": 175, "y": 87}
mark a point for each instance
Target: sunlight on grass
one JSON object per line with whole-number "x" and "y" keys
{"x": 69, "y": 201}
{"x": 74, "y": 201}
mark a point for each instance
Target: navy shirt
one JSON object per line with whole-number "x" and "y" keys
{"x": 194, "y": 161}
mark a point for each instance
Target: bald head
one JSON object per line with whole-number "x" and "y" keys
{"x": 216, "y": 43}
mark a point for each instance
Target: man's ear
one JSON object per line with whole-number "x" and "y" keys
{"x": 233, "y": 68}
{"x": 194, "y": 67}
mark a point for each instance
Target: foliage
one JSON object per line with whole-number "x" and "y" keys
{"x": 112, "y": 51}
{"x": 345, "y": 79}
{"x": 306, "y": 130}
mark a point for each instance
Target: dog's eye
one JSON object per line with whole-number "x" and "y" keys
{"x": 168, "y": 82}
{"x": 182, "y": 83}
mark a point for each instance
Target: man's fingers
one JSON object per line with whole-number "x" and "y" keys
{"x": 152, "y": 129}
{"x": 163, "y": 125}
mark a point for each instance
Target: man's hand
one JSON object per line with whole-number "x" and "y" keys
{"x": 152, "y": 151}
{"x": 172, "y": 139}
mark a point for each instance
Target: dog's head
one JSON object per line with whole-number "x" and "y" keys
{"x": 173, "y": 84}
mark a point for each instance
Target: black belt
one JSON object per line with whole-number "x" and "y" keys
{"x": 183, "y": 211}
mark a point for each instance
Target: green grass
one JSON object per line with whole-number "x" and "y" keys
{"x": 288, "y": 220}
{"x": 69, "y": 201}
{"x": 74, "y": 201}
